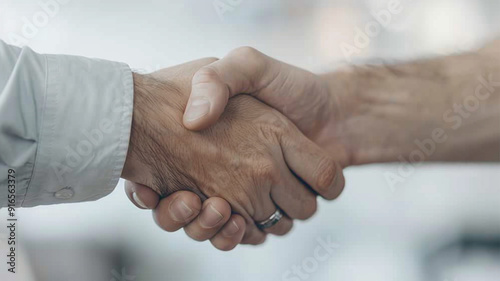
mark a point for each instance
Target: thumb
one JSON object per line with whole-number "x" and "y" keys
{"x": 141, "y": 196}
{"x": 244, "y": 70}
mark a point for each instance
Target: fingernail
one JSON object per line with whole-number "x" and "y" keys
{"x": 210, "y": 217}
{"x": 198, "y": 108}
{"x": 180, "y": 211}
{"x": 138, "y": 201}
{"x": 230, "y": 229}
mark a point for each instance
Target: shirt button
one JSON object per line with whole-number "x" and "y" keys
{"x": 65, "y": 193}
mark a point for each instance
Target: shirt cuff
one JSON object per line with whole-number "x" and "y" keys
{"x": 85, "y": 130}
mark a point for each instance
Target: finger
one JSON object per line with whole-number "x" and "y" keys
{"x": 264, "y": 211}
{"x": 313, "y": 165}
{"x": 244, "y": 70}
{"x": 231, "y": 234}
{"x": 141, "y": 196}
{"x": 214, "y": 214}
{"x": 177, "y": 210}
{"x": 282, "y": 227}
{"x": 253, "y": 235}
{"x": 294, "y": 197}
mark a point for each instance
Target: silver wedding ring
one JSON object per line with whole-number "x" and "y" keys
{"x": 272, "y": 220}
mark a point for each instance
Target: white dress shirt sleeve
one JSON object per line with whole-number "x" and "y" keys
{"x": 64, "y": 126}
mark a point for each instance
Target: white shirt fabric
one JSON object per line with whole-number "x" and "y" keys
{"x": 64, "y": 126}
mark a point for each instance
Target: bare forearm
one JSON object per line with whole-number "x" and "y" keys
{"x": 447, "y": 108}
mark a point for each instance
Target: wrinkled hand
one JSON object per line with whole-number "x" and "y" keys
{"x": 253, "y": 157}
{"x": 301, "y": 96}
{"x": 316, "y": 107}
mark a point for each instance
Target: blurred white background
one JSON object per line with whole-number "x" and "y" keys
{"x": 442, "y": 223}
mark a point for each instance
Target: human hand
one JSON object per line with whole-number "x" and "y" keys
{"x": 369, "y": 114}
{"x": 306, "y": 100}
{"x": 252, "y": 148}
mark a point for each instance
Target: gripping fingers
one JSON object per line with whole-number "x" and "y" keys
{"x": 231, "y": 234}
{"x": 213, "y": 222}
{"x": 177, "y": 210}
{"x": 213, "y": 216}
{"x": 313, "y": 165}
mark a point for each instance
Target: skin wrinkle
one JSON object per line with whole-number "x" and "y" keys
{"x": 164, "y": 184}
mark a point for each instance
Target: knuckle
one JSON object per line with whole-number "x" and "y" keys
{"x": 267, "y": 132}
{"x": 209, "y": 60}
{"x": 266, "y": 169}
{"x": 246, "y": 52}
{"x": 206, "y": 74}
{"x": 310, "y": 208}
{"x": 271, "y": 125}
{"x": 278, "y": 122}
{"x": 246, "y": 202}
{"x": 325, "y": 175}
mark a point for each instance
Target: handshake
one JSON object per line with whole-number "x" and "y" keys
{"x": 261, "y": 156}
{"x": 238, "y": 148}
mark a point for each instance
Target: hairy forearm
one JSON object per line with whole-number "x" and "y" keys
{"x": 447, "y": 108}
